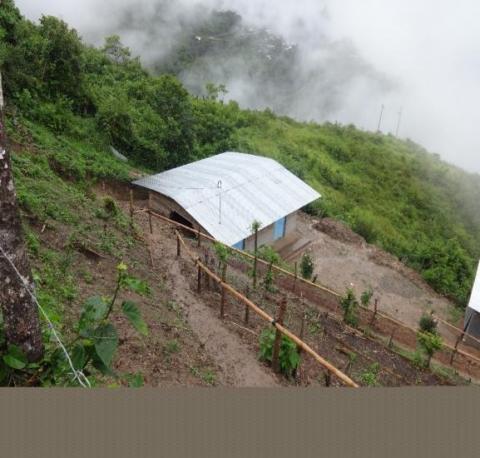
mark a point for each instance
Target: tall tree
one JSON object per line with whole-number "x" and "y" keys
{"x": 20, "y": 313}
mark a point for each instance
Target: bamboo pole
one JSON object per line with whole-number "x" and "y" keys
{"x": 279, "y": 269}
{"x": 131, "y": 208}
{"x": 247, "y": 308}
{"x": 199, "y": 278}
{"x": 278, "y": 336}
{"x": 222, "y": 300}
{"x": 246, "y": 255}
{"x": 306, "y": 348}
{"x": 150, "y": 223}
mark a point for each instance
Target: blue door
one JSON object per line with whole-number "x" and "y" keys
{"x": 279, "y": 228}
{"x": 240, "y": 245}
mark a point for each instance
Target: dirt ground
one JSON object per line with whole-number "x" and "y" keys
{"x": 343, "y": 259}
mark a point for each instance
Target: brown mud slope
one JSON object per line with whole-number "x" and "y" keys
{"x": 343, "y": 259}
{"x": 236, "y": 365}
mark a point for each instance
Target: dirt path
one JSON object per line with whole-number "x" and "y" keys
{"x": 240, "y": 367}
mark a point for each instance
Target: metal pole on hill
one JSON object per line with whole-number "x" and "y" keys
{"x": 399, "y": 121}
{"x": 380, "y": 119}
{"x": 20, "y": 313}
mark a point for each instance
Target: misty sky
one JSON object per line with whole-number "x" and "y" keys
{"x": 429, "y": 48}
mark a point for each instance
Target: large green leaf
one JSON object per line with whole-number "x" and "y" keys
{"x": 131, "y": 311}
{"x": 79, "y": 357}
{"x": 15, "y": 358}
{"x": 94, "y": 309}
{"x": 136, "y": 285}
{"x": 106, "y": 343}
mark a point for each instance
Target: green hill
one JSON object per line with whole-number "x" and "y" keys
{"x": 69, "y": 102}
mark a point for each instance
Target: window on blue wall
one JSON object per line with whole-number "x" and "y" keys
{"x": 279, "y": 228}
{"x": 240, "y": 245}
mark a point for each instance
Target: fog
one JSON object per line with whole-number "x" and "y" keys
{"x": 354, "y": 57}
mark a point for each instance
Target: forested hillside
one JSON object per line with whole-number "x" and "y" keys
{"x": 69, "y": 102}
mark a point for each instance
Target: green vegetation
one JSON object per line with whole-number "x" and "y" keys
{"x": 369, "y": 376}
{"x": 428, "y": 337}
{"x": 306, "y": 266}
{"x": 288, "y": 356}
{"x": 68, "y": 103}
{"x": 349, "y": 306}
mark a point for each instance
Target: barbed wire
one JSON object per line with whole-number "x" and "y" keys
{"x": 77, "y": 374}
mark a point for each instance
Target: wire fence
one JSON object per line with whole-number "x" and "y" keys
{"x": 77, "y": 375}
{"x": 455, "y": 356}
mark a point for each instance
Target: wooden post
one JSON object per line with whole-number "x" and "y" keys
{"x": 295, "y": 278}
{"x": 390, "y": 342}
{"x": 299, "y": 349}
{"x": 199, "y": 237}
{"x": 207, "y": 277}
{"x": 247, "y": 308}
{"x": 150, "y": 222}
{"x": 178, "y": 247}
{"x": 255, "y": 258}
{"x": 457, "y": 343}
{"x": 199, "y": 277}
{"x": 278, "y": 336}
{"x": 375, "y": 308}
{"x": 328, "y": 378}
{"x": 131, "y": 208}
{"x": 222, "y": 303}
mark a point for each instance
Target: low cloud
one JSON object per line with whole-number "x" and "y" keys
{"x": 423, "y": 57}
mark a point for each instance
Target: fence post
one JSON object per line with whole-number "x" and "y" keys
{"x": 199, "y": 277}
{"x": 131, "y": 208}
{"x": 278, "y": 336}
{"x": 375, "y": 308}
{"x": 207, "y": 277}
{"x": 150, "y": 222}
{"x": 222, "y": 303}
{"x": 295, "y": 278}
{"x": 390, "y": 342}
{"x": 255, "y": 259}
{"x": 300, "y": 349}
{"x": 178, "y": 246}
{"x": 247, "y": 308}
{"x": 328, "y": 378}
{"x": 457, "y": 343}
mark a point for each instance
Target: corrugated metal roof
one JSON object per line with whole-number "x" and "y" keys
{"x": 252, "y": 188}
{"x": 474, "y": 302}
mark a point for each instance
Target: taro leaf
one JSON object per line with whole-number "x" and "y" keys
{"x": 94, "y": 309}
{"x": 15, "y": 358}
{"x": 130, "y": 310}
{"x": 79, "y": 357}
{"x": 106, "y": 343}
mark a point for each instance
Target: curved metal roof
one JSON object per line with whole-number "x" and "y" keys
{"x": 227, "y": 192}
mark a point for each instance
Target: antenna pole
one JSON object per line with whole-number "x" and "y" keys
{"x": 380, "y": 120}
{"x": 219, "y": 186}
{"x": 399, "y": 121}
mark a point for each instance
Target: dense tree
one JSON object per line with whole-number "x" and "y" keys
{"x": 20, "y": 314}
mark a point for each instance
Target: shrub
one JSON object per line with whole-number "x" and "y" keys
{"x": 428, "y": 324}
{"x": 306, "y": 266}
{"x": 366, "y": 297}
{"x": 370, "y": 376}
{"x": 288, "y": 356}
{"x": 349, "y": 305}
{"x": 430, "y": 343}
